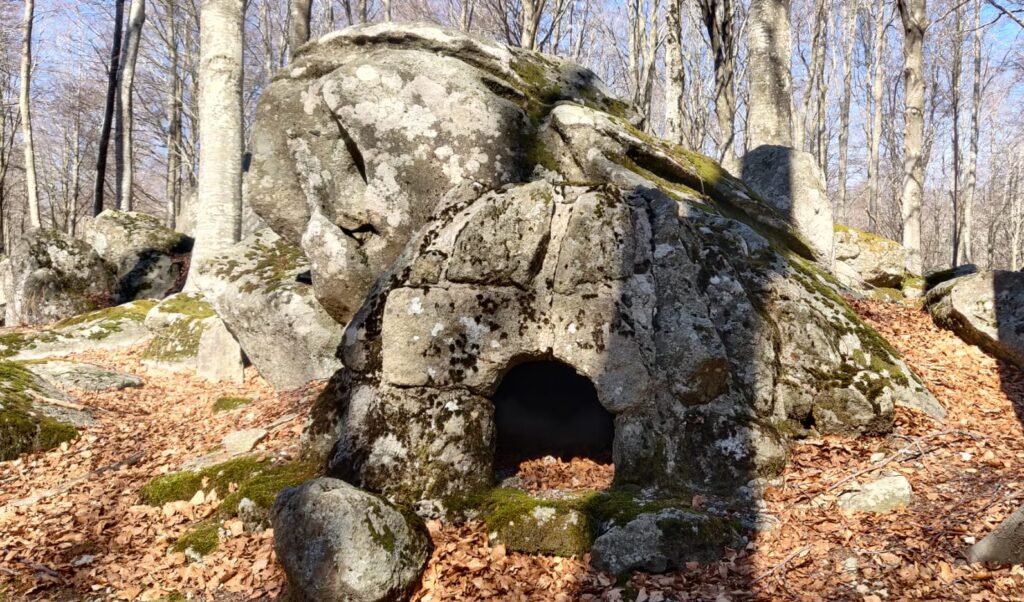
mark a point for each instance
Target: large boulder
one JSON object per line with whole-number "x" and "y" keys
{"x": 865, "y": 260}
{"x": 336, "y": 542}
{"x": 146, "y": 254}
{"x": 51, "y": 276}
{"x": 188, "y": 335}
{"x": 260, "y": 288}
{"x": 109, "y": 328}
{"x": 792, "y": 181}
{"x": 985, "y": 309}
{"x": 357, "y": 140}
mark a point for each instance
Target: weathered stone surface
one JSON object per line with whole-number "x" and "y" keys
{"x": 52, "y": 276}
{"x": 663, "y": 541}
{"x": 985, "y": 309}
{"x": 1004, "y": 545}
{"x": 355, "y": 142}
{"x": 242, "y": 442}
{"x": 336, "y": 542}
{"x": 142, "y": 251}
{"x": 261, "y": 291}
{"x": 80, "y": 375}
{"x": 879, "y": 496}
{"x": 791, "y": 180}
{"x": 188, "y": 335}
{"x": 110, "y": 328}
{"x": 32, "y": 415}
{"x": 865, "y": 260}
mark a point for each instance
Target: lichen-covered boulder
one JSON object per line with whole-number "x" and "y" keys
{"x": 985, "y": 309}
{"x": 53, "y": 276}
{"x": 260, "y": 288}
{"x": 84, "y": 376}
{"x": 865, "y": 260}
{"x": 188, "y": 335}
{"x": 336, "y": 542}
{"x": 357, "y": 140}
{"x": 29, "y": 420}
{"x": 109, "y": 328}
{"x": 792, "y": 181}
{"x": 145, "y": 254}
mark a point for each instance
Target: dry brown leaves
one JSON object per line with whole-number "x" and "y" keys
{"x": 966, "y": 472}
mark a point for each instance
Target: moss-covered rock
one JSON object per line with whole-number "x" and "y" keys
{"x": 227, "y": 404}
{"x": 188, "y": 335}
{"x": 27, "y": 425}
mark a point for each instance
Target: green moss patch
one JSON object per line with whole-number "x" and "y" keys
{"x": 177, "y": 342}
{"x": 188, "y": 304}
{"x": 135, "y": 311}
{"x": 269, "y": 267}
{"x": 226, "y": 404}
{"x": 202, "y": 539}
{"x": 22, "y": 428}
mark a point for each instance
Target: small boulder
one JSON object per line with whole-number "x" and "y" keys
{"x": 34, "y": 416}
{"x": 87, "y": 377}
{"x": 880, "y": 496}
{"x": 142, "y": 251}
{"x": 242, "y": 442}
{"x": 792, "y": 182}
{"x": 189, "y": 336}
{"x": 109, "y": 328}
{"x": 260, "y": 288}
{"x": 865, "y": 260}
{"x": 52, "y": 276}
{"x": 337, "y": 542}
{"x": 985, "y": 309}
{"x": 661, "y": 541}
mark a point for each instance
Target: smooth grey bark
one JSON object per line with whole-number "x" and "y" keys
{"x": 174, "y": 112}
{"x": 219, "y": 191}
{"x": 675, "y": 76}
{"x": 769, "y": 118}
{"x": 875, "y": 133}
{"x": 25, "y": 106}
{"x": 299, "y": 14}
{"x": 913, "y": 14}
{"x": 125, "y": 142}
{"x": 718, "y": 19}
{"x": 970, "y": 185}
{"x": 849, "y": 17}
{"x": 99, "y": 189}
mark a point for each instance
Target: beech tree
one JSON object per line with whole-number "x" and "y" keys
{"x": 25, "y": 106}
{"x": 124, "y": 146}
{"x": 108, "y": 111}
{"x": 769, "y": 119}
{"x": 914, "y": 18}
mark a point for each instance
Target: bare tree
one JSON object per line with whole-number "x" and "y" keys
{"x": 219, "y": 191}
{"x": 769, "y": 119}
{"x": 108, "y": 110}
{"x": 966, "y": 251}
{"x": 675, "y": 74}
{"x": 123, "y": 143}
{"x": 875, "y": 131}
{"x": 26, "y": 115}
{"x": 718, "y": 20}
{"x": 849, "y": 17}
{"x": 914, "y": 16}
{"x": 299, "y": 14}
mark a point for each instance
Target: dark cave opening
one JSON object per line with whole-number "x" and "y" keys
{"x": 547, "y": 409}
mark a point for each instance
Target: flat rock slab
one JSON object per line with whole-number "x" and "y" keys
{"x": 87, "y": 377}
{"x": 241, "y": 442}
{"x": 881, "y": 496}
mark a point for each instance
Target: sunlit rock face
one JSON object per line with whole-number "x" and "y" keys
{"x": 468, "y": 208}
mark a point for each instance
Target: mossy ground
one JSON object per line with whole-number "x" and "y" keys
{"x": 227, "y": 404}
{"x": 23, "y": 429}
{"x": 188, "y": 304}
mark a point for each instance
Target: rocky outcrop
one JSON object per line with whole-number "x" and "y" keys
{"x": 80, "y": 375}
{"x": 793, "y": 183}
{"x": 985, "y": 309}
{"x": 336, "y": 542}
{"x": 355, "y": 142}
{"x": 51, "y": 276}
{"x": 260, "y": 288}
{"x": 110, "y": 328}
{"x": 145, "y": 254}
{"x": 34, "y": 416}
{"x": 188, "y": 335}
{"x": 865, "y": 260}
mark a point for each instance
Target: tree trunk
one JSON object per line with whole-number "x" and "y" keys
{"x": 875, "y": 134}
{"x": 769, "y": 116}
{"x": 816, "y": 84}
{"x": 718, "y": 20}
{"x": 108, "y": 110}
{"x": 26, "y": 115}
{"x": 126, "y": 158}
{"x": 913, "y": 14}
{"x": 529, "y": 21}
{"x": 299, "y": 14}
{"x": 219, "y": 193}
{"x": 966, "y": 246}
{"x": 174, "y": 108}
{"x": 674, "y": 73}
{"x": 849, "y": 37}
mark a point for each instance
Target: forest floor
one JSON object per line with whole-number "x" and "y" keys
{"x": 72, "y": 526}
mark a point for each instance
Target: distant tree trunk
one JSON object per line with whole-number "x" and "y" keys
{"x": 966, "y": 242}
{"x": 26, "y": 115}
{"x": 108, "y": 110}
{"x": 813, "y": 100}
{"x": 769, "y": 116}
{"x": 299, "y": 14}
{"x": 875, "y": 133}
{"x": 387, "y": 10}
{"x": 849, "y": 37}
{"x": 1015, "y": 196}
{"x": 126, "y": 154}
{"x": 530, "y": 15}
{"x": 913, "y": 14}
{"x": 718, "y": 20}
{"x": 219, "y": 193}
{"x": 674, "y": 74}
{"x": 955, "y": 69}
{"x": 174, "y": 108}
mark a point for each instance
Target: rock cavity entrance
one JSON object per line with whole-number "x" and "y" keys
{"x": 547, "y": 409}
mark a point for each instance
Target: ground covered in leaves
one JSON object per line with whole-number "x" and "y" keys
{"x": 72, "y": 527}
